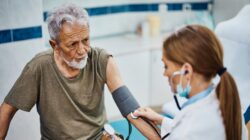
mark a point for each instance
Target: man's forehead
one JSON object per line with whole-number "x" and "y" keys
{"x": 68, "y": 28}
{"x": 73, "y": 31}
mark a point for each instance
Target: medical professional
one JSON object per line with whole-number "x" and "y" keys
{"x": 193, "y": 57}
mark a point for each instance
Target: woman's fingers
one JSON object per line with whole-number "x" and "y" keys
{"x": 138, "y": 113}
{"x": 143, "y": 111}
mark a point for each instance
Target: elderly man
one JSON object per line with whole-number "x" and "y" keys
{"x": 67, "y": 82}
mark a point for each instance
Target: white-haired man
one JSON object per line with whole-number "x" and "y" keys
{"x": 67, "y": 82}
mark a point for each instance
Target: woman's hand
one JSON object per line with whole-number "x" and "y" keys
{"x": 149, "y": 114}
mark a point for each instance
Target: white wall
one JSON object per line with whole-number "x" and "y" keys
{"x": 14, "y": 55}
{"x": 234, "y": 35}
{"x": 226, "y": 9}
{"x": 115, "y": 24}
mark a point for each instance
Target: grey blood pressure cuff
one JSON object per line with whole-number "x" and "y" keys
{"x": 125, "y": 100}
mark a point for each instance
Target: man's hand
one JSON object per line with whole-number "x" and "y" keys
{"x": 106, "y": 136}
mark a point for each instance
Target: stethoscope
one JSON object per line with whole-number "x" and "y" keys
{"x": 179, "y": 107}
{"x": 200, "y": 96}
{"x": 147, "y": 121}
{"x": 181, "y": 72}
{"x": 109, "y": 129}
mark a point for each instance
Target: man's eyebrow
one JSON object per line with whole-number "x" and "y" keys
{"x": 86, "y": 37}
{"x": 70, "y": 42}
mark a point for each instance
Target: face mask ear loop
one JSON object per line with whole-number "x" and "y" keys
{"x": 188, "y": 84}
{"x": 180, "y": 83}
{"x": 181, "y": 72}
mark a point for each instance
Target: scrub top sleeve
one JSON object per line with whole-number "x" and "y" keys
{"x": 166, "y": 126}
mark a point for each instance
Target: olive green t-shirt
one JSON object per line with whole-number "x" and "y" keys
{"x": 69, "y": 109}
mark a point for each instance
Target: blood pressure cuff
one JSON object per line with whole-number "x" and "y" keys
{"x": 125, "y": 101}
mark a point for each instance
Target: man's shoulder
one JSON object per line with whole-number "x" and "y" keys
{"x": 41, "y": 57}
{"x": 97, "y": 50}
{"x": 45, "y": 53}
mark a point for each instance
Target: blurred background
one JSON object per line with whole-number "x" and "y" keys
{"x": 131, "y": 30}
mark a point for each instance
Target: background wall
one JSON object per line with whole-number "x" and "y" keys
{"x": 110, "y": 18}
{"x": 20, "y": 39}
{"x": 226, "y": 9}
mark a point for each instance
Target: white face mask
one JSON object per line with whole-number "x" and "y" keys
{"x": 74, "y": 63}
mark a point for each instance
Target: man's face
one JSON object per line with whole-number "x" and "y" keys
{"x": 73, "y": 42}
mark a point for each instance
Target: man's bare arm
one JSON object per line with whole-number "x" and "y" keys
{"x": 6, "y": 114}
{"x": 114, "y": 81}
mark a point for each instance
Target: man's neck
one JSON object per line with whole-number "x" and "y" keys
{"x": 64, "y": 68}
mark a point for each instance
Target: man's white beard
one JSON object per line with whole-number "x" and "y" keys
{"x": 75, "y": 64}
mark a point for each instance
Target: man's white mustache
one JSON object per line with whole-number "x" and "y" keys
{"x": 74, "y": 64}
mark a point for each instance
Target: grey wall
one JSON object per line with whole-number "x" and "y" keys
{"x": 226, "y": 9}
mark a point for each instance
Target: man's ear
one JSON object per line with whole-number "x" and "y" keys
{"x": 53, "y": 44}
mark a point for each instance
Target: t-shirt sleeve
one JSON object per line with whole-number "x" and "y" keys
{"x": 103, "y": 61}
{"x": 24, "y": 93}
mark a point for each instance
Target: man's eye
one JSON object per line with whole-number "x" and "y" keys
{"x": 165, "y": 67}
{"x": 85, "y": 40}
{"x": 71, "y": 47}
